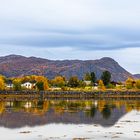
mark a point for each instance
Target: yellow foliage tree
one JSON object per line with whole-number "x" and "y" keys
{"x": 2, "y": 107}
{"x": 44, "y": 80}
{"x": 130, "y": 83}
{"x": 2, "y": 84}
{"x": 101, "y": 85}
{"x": 17, "y": 84}
{"x": 58, "y": 81}
{"x": 138, "y": 84}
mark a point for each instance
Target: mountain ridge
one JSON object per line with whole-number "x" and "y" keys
{"x": 17, "y": 65}
{"x": 136, "y": 76}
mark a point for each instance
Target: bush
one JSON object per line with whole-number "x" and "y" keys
{"x": 101, "y": 85}
{"x": 138, "y": 84}
{"x": 111, "y": 86}
{"x": 129, "y": 83}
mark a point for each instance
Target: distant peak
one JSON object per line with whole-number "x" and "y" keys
{"x": 107, "y": 59}
{"x": 13, "y": 56}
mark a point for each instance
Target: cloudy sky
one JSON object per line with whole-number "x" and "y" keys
{"x": 72, "y": 29}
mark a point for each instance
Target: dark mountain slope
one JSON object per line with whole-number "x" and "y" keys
{"x": 15, "y": 65}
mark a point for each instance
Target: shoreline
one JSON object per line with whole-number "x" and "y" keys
{"x": 66, "y": 95}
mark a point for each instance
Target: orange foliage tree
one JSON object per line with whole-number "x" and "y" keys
{"x": 2, "y": 84}
{"x": 58, "y": 81}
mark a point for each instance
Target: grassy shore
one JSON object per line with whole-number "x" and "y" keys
{"x": 43, "y": 95}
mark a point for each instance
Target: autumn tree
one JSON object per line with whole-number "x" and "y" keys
{"x": 26, "y": 79}
{"x": 42, "y": 81}
{"x": 106, "y": 77}
{"x": 17, "y": 84}
{"x": 87, "y": 77}
{"x": 2, "y": 84}
{"x": 58, "y": 81}
{"x": 73, "y": 81}
{"x": 130, "y": 83}
{"x": 3, "y": 77}
{"x": 101, "y": 85}
{"x": 93, "y": 77}
{"x": 138, "y": 84}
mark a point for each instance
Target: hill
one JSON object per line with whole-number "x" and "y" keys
{"x": 16, "y": 65}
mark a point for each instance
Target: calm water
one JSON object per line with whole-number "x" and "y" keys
{"x": 70, "y": 120}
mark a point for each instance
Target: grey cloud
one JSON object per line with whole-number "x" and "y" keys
{"x": 94, "y": 39}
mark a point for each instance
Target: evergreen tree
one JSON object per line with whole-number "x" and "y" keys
{"x": 106, "y": 77}
{"x": 93, "y": 77}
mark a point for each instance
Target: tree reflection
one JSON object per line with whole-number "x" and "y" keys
{"x": 92, "y": 111}
{"x": 106, "y": 112}
{"x": 2, "y": 107}
{"x": 103, "y": 112}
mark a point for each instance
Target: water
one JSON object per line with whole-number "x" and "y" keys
{"x": 70, "y": 120}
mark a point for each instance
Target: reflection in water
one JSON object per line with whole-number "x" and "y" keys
{"x": 92, "y": 111}
{"x": 105, "y": 113}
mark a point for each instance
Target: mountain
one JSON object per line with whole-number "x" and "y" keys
{"x": 136, "y": 76}
{"x": 16, "y": 65}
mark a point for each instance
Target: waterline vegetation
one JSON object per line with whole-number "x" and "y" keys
{"x": 60, "y": 83}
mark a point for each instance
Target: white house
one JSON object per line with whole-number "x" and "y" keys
{"x": 28, "y": 85}
{"x": 87, "y": 82}
{"x": 9, "y": 85}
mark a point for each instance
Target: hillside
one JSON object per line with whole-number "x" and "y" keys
{"x": 15, "y": 65}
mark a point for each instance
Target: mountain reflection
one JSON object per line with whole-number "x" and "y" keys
{"x": 25, "y": 113}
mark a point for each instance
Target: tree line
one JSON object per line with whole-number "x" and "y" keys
{"x": 43, "y": 83}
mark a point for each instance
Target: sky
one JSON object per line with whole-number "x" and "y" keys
{"x": 72, "y": 29}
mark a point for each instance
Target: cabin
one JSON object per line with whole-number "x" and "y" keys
{"x": 87, "y": 83}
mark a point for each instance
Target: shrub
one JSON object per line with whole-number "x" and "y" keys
{"x": 138, "y": 84}
{"x": 101, "y": 85}
{"x": 129, "y": 83}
